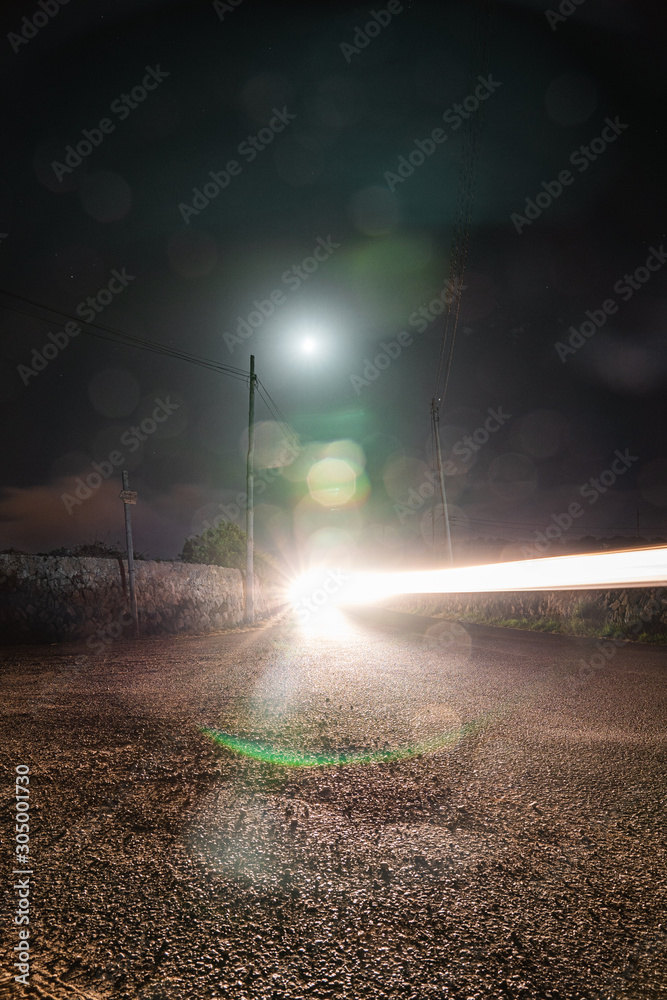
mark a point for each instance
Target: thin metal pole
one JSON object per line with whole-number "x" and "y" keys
{"x": 130, "y": 554}
{"x": 436, "y": 425}
{"x": 250, "y": 512}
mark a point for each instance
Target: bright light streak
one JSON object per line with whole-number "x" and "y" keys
{"x": 634, "y": 568}
{"x": 303, "y": 587}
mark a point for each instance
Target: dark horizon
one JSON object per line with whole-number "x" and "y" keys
{"x": 223, "y": 181}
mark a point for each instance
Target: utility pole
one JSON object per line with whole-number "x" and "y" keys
{"x": 250, "y": 513}
{"x": 435, "y": 416}
{"x": 128, "y": 497}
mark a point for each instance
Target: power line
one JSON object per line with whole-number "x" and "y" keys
{"x": 465, "y": 198}
{"x": 115, "y": 336}
{"x": 287, "y": 431}
{"x": 580, "y": 532}
{"x": 525, "y": 524}
{"x": 282, "y": 420}
{"x": 275, "y": 410}
{"x": 120, "y": 337}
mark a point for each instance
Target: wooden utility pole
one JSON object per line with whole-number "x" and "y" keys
{"x": 250, "y": 513}
{"x": 436, "y": 427}
{"x": 128, "y": 497}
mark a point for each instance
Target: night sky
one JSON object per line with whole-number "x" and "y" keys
{"x": 327, "y": 234}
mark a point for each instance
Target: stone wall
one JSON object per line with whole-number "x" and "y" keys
{"x": 635, "y": 608}
{"x": 50, "y": 598}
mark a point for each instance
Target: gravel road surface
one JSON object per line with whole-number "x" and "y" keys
{"x": 489, "y": 821}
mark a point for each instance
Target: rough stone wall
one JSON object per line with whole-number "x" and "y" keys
{"x": 632, "y": 607}
{"x": 49, "y": 598}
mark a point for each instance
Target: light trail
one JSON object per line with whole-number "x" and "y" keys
{"x": 635, "y": 568}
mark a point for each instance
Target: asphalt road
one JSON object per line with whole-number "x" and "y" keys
{"x": 487, "y": 820}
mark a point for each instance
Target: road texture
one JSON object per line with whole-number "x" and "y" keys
{"x": 491, "y": 822}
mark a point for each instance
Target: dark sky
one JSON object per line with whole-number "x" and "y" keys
{"x": 332, "y": 125}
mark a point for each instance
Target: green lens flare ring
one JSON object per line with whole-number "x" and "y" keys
{"x": 271, "y": 754}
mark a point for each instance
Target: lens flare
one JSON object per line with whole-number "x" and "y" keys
{"x": 269, "y": 753}
{"x": 634, "y": 568}
{"x": 332, "y": 482}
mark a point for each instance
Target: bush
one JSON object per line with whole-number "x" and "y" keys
{"x": 225, "y": 545}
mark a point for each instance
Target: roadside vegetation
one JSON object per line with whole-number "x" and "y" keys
{"x": 572, "y": 625}
{"x": 587, "y": 620}
{"x": 225, "y": 545}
